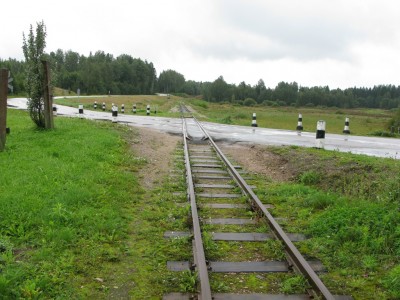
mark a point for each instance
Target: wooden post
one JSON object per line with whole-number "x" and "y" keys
{"x": 48, "y": 101}
{"x": 3, "y": 107}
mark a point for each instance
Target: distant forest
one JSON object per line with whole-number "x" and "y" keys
{"x": 102, "y": 73}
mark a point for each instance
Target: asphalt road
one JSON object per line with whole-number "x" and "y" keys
{"x": 373, "y": 146}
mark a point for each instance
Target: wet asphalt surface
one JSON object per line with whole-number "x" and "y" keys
{"x": 373, "y": 146}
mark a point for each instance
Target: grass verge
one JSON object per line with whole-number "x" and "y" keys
{"x": 64, "y": 204}
{"x": 349, "y": 206}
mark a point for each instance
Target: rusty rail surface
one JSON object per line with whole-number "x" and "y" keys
{"x": 198, "y": 249}
{"x": 293, "y": 255}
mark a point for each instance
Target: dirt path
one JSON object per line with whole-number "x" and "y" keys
{"x": 256, "y": 159}
{"x": 157, "y": 148}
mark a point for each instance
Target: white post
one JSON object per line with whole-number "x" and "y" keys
{"x": 346, "y": 129}
{"x": 80, "y": 109}
{"x": 148, "y": 109}
{"x": 299, "y": 123}
{"x": 254, "y": 121}
{"x": 114, "y": 110}
{"x": 320, "y": 137}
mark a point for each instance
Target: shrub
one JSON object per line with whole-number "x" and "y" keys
{"x": 268, "y": 102}
{"x": 281, "y": 103}
{"x": 249, "y": 102}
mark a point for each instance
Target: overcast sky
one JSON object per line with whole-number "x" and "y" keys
{"x": 340, "y": 43}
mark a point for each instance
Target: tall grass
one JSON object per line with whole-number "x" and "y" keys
{"x": 349, "y": 206}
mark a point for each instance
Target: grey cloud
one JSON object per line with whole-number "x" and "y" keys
{"x": 278, "y": 35}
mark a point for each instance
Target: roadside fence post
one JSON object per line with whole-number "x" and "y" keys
{"x": 299, "y": 127}
{"x": 254, "y": 121}
{"x": 48, "y": 99}
{"x": 114, "y": 110}
{"x": 320, "y": 136}
{"x": 80, "y": 109}
{"x": 3, "y": 107}
{"x": 148, "y": 110}
{"x": 346, "y": 129}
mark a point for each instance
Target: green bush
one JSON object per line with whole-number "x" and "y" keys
{"x": 249, "y": 102}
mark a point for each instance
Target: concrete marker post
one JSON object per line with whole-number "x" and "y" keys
{"x": 80, "y": 109}
{"x": 134, "y": 108}
{"x": 148, "y": 110}
{"x": 114, "y": 110}
{"x": 320, "y": 136}
{"x": 122, "y": 108}
{"x": 95, "y": 105}
{"x": 299, "y": 127}
{"x": 346, "y": 129}
{"x": 54, "y": 110}
{"x": 103, "y": 107}
{"x": 3, "y": 107}
{"x": 254, "y": 121}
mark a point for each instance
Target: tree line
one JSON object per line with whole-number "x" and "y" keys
{"x": 102, "y": 73}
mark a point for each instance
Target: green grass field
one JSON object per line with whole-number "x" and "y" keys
{"x": 64, "y": 197}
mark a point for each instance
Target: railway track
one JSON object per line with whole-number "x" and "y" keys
{"x": 219, "y": 196}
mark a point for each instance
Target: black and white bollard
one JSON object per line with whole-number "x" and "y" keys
{"x": 122, "y": 108}
{"x": 80, "y": 109}
{"x": 103, "y": 107}
{"x": 54, "y": 110}
{"x": 299, "y": 127}
{"x": 254, "y": 121}
{"x": 134, "y": 108}
{"x": 320, "y": 137}
{"x": 95, "y": 105}
{"x": 114, "y": 111}
{"x": 148, "y": 110}
{"x": 346, "y": 129}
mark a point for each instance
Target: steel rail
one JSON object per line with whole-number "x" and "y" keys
{"x": 200, "y": 260}
{"x": 295, "y": 257}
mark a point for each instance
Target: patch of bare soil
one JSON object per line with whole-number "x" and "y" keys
{"x": 157, "y": 148}
{"x": 257, "y": 159}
